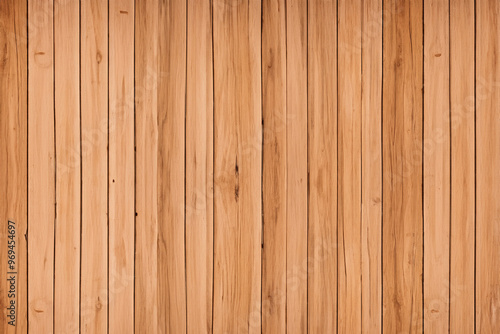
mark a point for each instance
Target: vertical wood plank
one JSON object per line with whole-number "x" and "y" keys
{"x": 238, "y": 163}
{"x": 94, "y": 151}
{"x": 146, "y": 125}
{"x": 296, "y": 155}
{"x": 274, "y": 201}
{"x": 199, "y": 168}
{"x": 462, "y": 166}
{"x": 436, "y": 166}
{"x": 322, "y": 166}
{"x": 487, "y": 166}
{"x": 402, "y": 166}
{"x": 349, "y": 166}
{"x": 371, "y": 215}
{"x": 121, "y": 166}
{"x": 13, "y": 164}
{"x": 41, "y": 167}
{"x": 67, "y": 130}
{"x": 171, "y": 150}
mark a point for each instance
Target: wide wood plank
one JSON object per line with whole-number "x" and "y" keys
{"x": 402, "y": 166}
{"x": 322, "y": 165}
{"x": 146, "y": 127}
{"x": 199, "y": 168}
{"x": 94, "y": 146}
{"x": 349, "y": 166}
{"x": 274, "y": 199}
{"x": 41, "y": 167}
{"x": 67, "y": 130}
{"x": 371, "y": 133}
{"x": 171, "y": 153}
{"x": 238, "y": 163}
{"x": 487, "y": 167}
{"x": 436, "y": 166}
{"x": 121, "y": 167}
{"x": 296, "y": 155}
{"x": 13, "y": 165}
{"x": 462, "y": 166}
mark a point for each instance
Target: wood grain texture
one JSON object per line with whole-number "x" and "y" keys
{"x": 274, "y": 178}
{"x": 462, "y": 41}
{"x": 296, "y": 155}
{"x": 487, "y": 166}
{"x": 13, "y": 163}
{"x": 402, "y": 167}
{"x": 436, "y": 166}
{"x": 238, "y": 163}
{"x": 349, "y": 166}
{"x": 146, "y": 177}
{"x": 199, "y": 168}
{"x": 94, "y": 156}
{"x": 322, "y": 167}
{"x": 41, "y": 167}
{"x": 171, "y": 150}
{"x": 246, "y": 166}
{"x": 121, "y": 183}
{"x": 371, "y": 167}
{"x": 68, "y": 178}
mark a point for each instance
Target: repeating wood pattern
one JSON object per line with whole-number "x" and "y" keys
{"x": 249, "y": 166}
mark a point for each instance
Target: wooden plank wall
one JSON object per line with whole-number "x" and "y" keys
{"x": 250, "y": 166}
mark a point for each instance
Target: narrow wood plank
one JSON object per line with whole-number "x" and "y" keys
{"x": 121, "y": 166}
{"x": 13, "y": 165}
{"x": 462, "y": 43}
{"x": 296, "y": 154}
{"x": 349, "y": 166}
{"x": 371, "y": 133}
{"x": 238, "y": 163}
{"x": 274, "y": 185}
{"x": 199, "y": 168}
{"x": 94, "y": 146}
{"x": 402, "y": 167}
{"x": 322, "y": 165}
{"x": 436, "y": 166}
{"x": 67, "y": 130}
{"x": 146, "y": 127}
{"x": 41, "y": 167}
{"x": 171, "y": 150}
{"x": 487, "y": 166}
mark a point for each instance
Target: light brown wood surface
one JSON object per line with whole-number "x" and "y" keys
{"x": 68, "y": 178}
{"x": 462, "y": 230}
{"x": 322, "y": 292}
{"x": 274, "y": 181}
{"x": 487, "y": 166}
{"x": 13, "y": 165}
{"x": 94, "y": 167}
{"x": 349, "y": 166}
{"x": 250, "y": 166}
{"x": 199, "y": 168}
{"x": 41, "y": 168}
{"x": 402, "y": 118}
{"x": 146, "y": 167}
{"x": 436, "y": 157}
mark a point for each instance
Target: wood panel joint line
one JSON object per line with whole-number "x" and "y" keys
{"x": 55, "y": 166}
{"x": 185, "y": 148}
